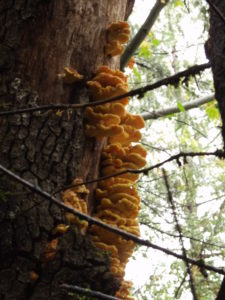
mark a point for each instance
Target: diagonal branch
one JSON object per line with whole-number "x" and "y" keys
{"x": 174, "y": 109}
{"x": 184, "y": 236}
{"x": 113, "y": 229}
{"x": 180, "y": 286}
{"x": 142, "y": 33}
{"x": 178, "y": 227}
{"x": 174, "y": 80}
{"x": 145, "y": 171}
{"x": 191, "y": 71}
{"x": 87, "y": 292}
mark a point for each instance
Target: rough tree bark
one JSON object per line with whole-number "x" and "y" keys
{"x": 215, "y": 51}
{"x": 37, "y": 40}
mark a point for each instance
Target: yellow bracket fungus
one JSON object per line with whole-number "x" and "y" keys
{"x": 129, "y": 135}
{"x": 98, "y": 92}
{"x": 101, "y": 131}
{"x": 72, "y": 197}
{"x": 131, "y": 63}
{"x": 118, "y": 202}
{"x": 60, "y": 229}
{"x": 118, "y": 33}
{"x": 106, "y": 119}
{"x": 112, "y": 108}
{"x": 135, "y": 121}
{"x": 33, "y": 276}
{"x": 50, "y": 250}
{"x": 70, "y": 76}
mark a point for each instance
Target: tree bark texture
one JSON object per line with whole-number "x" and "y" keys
{"x": 37, "y": 40}
{"x": 215, "y": 50}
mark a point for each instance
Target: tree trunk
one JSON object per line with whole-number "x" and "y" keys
{"x": 38, "y": 39}
{"x": 215, "y": 51}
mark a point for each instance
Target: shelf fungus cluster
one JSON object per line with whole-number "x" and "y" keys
{"x": 74, "y": 197}
{"x": 118, "y": 34}
{"x": 117, "y": 198}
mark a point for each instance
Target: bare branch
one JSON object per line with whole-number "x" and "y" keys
{"x": 175, "y": 79}
{"x": 113, "y": 229}
{"x": 174, "y": 109}
{"x": 87, "y": 292}
{"x": 145, "y": 171}
{"x": 184, "y": 236}
{"x": 180, "y": 286}
{"x": 191, "y": 71}
{"x": 142, "y": 33}
{"x": 178, "y": 227}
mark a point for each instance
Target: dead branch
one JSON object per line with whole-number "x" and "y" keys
{"x": 172, "y": 80}
{"x": 113, "y": 229}
{"x": 145, "y": 171}
{"x": 186, "y": 74}
{"x": 142, "y": 33}
{"x": 87, "y": 292}
{"x": 180, "y": 286}
{"x": 174, "y": 109}
{"x": 184, "y": 236}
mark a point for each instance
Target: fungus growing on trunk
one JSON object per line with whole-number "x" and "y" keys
{"x": 118, "y": 33}
{"x": 70, "y": 76}
{"x": 101, "y": 131}
{"x": 50, "y": 251}
{"x": 72, "y": 197}
{"x": 117, "y": 198}
{"x": 131, "y": 63}
{"x": 113, "y": 108}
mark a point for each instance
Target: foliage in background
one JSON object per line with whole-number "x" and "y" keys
{"x": 175, "y": 43}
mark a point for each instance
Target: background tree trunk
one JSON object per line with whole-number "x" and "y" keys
{"x": 38, "y": 39}
{"x": 215, "y": 51}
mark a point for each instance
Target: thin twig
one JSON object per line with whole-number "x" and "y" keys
{"x": 191, "y": 71}
{"x": 113, "y": 229}
{"x": 145, "y": 171}
{"x": 178, "y": 227}
{"x": 174, "y": 79}
{"x": 184, "y": 236}
{"x": 180, "y": 286}
{"x": 87, "y": 292}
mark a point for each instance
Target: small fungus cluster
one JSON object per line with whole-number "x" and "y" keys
{"x": 72, "y": 197}
{"x": 70, "y": 76}
{"x": 118, "y": 34}
{"x": 117, "y": 198}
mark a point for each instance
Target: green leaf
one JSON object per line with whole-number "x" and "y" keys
{"x": 155, "y": 42}
{"x": 212, "y": 111}
{"x": 137, "y": 74}
{"x": 178, "y": 3}
{"x": 180, "y": 106}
